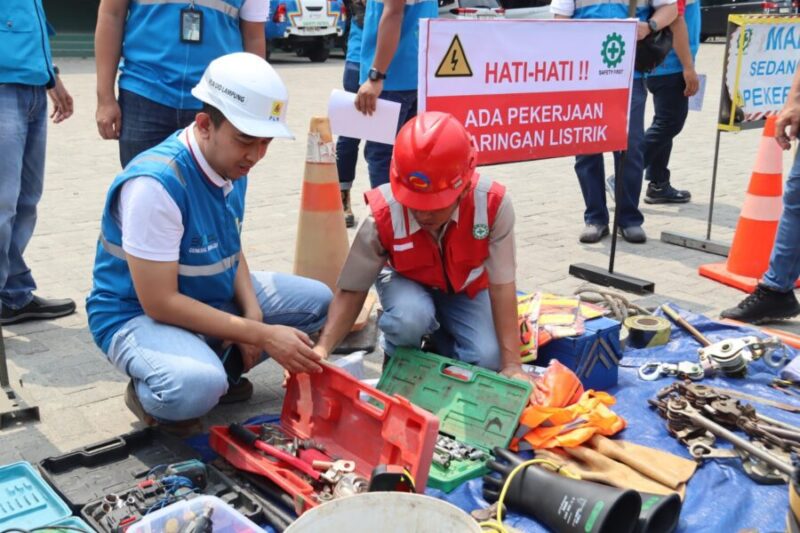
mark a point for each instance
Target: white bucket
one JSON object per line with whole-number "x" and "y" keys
{"x": 385, "y": 512}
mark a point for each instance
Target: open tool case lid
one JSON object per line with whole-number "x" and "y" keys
{"x": 474, "y": 405}
{"x": 352, "y": 420}
{"x": 358, "y": 422}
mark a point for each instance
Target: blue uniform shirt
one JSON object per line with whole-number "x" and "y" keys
{"x": 606, "y": 9}
{"x": 672, "y": 65}
{"x": 354, "y": 43}
{"x": 402, "y": 72}
{"x": 24, "y": 45}
{"x": 157, "y": 65}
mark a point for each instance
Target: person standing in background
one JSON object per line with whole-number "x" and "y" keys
{"x": 671, "y": 84}
{"x": 165, "y": 46}
{"x": 347, "y": 147}
{"x": 389, "y": 57}
{"x": 26, "y": 74}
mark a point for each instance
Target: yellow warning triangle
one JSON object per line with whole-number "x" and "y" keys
{"x": 454, "y": 63}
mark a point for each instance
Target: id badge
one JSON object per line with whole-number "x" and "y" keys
{"x": 191, "y": 26}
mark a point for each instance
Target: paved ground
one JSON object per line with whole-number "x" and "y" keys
{"x": 56, "y": 366}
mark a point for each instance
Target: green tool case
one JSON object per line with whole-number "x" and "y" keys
{"x": 475, "y": 406}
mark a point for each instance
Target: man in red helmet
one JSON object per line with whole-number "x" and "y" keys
{"x": 439, "y": 247}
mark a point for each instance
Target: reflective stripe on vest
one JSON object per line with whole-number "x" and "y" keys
{"x": 166, "y": 160}
{"x": 397, "y": 211}
{"x": 191, "y": 271}
{"x": 474, "y": 274}
{"x": 217, "y": 5}
{"x": 399, "y": 214}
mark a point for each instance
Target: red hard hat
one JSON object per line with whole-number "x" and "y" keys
{"x": 433, "y": 161}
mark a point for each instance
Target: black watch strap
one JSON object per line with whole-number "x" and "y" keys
{"x": 375, "y": 74}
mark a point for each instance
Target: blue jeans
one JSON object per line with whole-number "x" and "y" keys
{"x": 146, "y": 123}
{"x": 784, "y": 264}
{"x": 462, "y": 328}
{"x": 177, "y": 373}
{"x": 23, "y": 137}
{"x": 592, "y": 175}
{"x": 671, "y": 109}
{"x": 379, "y": 155}
{"x": 347, "y": 147}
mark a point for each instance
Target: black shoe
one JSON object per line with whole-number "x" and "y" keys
{"x": 37, "y": 309}
{"x": 182, "y": 429}
{"x": 592, "y": 233}
{"x": 238, "y": 392}
{"x": 764, "y": 305}
{"x": 666, "y": 194}
{"x": 633, "y": 234}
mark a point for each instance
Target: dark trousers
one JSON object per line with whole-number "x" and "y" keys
{"x": 379, "y": 155}
{"x": 591, "y": 171}
{"x": 146, "y": 123}
{"x": 347, "y": 147}
{"x": 671, "y": 109}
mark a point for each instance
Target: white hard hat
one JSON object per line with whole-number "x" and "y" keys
{"x": 248, "y": 91}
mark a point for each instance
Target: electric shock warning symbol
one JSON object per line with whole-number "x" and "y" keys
{"x": 454, "y": 63}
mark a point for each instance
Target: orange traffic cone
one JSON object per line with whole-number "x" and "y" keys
{"x": 748, "y": 259}
{"x": 322, "y": 244}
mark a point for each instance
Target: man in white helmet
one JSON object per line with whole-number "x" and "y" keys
{"x": 172, "y": 290}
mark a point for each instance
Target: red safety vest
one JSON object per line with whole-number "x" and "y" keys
{"x": 458, "y": 265}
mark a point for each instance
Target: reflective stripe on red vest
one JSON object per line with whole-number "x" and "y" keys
{"x": 459, "y": 265}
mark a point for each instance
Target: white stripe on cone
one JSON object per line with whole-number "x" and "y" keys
{"x": 770, "y": 159}
{"x": 763, "y": 208}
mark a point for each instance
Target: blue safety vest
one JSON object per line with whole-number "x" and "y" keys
{"x": 157, "y": 65}
{"x": 671, "y": 64}
{"x": 209, "y": 249}
{"x": 611, "y": 9}
{"x": 24, "y": 44}
{"x": 402, "y": 72}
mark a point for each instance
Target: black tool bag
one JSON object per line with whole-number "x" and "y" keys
{"x": 653, "y": 49}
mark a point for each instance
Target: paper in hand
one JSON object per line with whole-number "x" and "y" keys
{"x": 348, "y": 121}
{"x": 696, "y": 101}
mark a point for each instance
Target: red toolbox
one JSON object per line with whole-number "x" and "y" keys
{"x": 352, "y": 420}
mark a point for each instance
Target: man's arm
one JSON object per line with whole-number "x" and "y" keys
{"x": 107, "y": 49}
{"x": 244, "y": 294}
{"x": 156, "y": 284}
{"x": 680, "y": 43}
{"x": 362, "y": 266}
{"x": 342, "y": 314}
{"x": 388, "y": 37}
{"x": 254, "y": 40}
{"x": 503, "y": 299}
{"x": 664, "y": 15}
{"x": 789, "y": 116}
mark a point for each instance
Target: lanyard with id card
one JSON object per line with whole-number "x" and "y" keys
{"x": 191, "y": 25}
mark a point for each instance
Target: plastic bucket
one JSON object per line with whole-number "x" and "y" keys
{"x": 387, "y": 512}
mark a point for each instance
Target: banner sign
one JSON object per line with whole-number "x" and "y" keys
{"x": 763, "y": 55}
{"x": 531, "y": 89}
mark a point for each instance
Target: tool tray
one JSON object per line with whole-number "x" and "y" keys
{"x": 145, "y": 501}
{"x": 26, "y": 502}
{"x": 351, "y": 420}
{"x": 85, "y": 476}
{"x": 475, "y": 406}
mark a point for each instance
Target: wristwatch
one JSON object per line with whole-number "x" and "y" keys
{"x": 375, "y": 75}
{"x": 653, "y": 25}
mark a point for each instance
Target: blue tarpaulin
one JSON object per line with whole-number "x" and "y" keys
{"x": 719, "y": 497}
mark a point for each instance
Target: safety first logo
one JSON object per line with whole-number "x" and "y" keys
{"x": 454, "y": 63}
{"x": 612, "y": 53}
